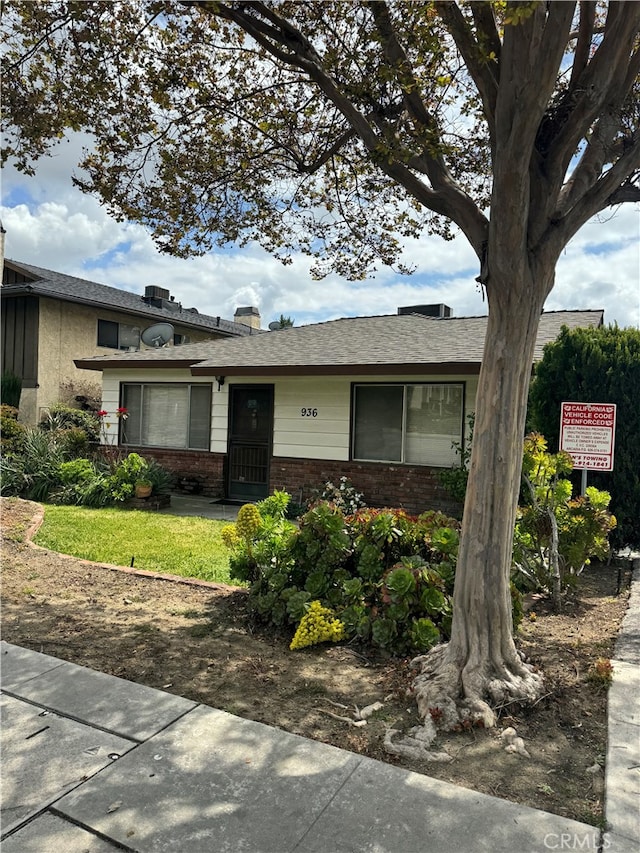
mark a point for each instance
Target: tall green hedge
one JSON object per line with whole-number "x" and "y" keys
{"x": 10, "y": 389}
{"x": 597, "y": 366}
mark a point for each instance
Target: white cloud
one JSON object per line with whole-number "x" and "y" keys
{"x": 51, "y": 224}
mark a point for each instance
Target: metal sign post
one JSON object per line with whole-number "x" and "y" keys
{"x": 587, "y": 434}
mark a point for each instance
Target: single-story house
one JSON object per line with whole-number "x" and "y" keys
{"x": 381, "y": 400}
{"x": 49, "y": 319}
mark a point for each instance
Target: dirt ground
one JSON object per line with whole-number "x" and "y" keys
{"x": 197, "y": 642}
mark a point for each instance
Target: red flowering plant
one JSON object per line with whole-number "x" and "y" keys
{"x": 106, "y": 437}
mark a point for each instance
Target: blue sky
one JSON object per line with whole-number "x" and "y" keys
{"x": 51, "y": 224}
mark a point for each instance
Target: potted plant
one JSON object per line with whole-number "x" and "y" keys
{"x": 143, "y": 488}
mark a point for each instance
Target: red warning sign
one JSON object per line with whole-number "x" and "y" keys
{"x": 587, "y": 434}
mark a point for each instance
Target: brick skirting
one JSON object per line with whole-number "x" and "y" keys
{"x": 413, "y": 487}
{"x": 196, "y": 472}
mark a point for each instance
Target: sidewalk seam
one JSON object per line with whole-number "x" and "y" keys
{"x": 327, "y": 804}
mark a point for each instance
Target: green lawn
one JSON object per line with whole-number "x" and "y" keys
{"x": 190, "y": 547}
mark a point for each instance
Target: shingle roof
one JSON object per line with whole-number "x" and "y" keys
{"x": 71, "y": 289}
{"x": 388, "y": 343}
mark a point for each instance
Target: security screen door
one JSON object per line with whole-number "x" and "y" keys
{"x": 250, "y": 441}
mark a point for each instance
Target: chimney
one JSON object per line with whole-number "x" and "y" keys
{"x": 434, "y": 310}
{"x": 250, "y": 316}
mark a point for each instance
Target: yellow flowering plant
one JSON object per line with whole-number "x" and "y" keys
{"x": 318, "y": 625}
{"x": 258, "y": 538}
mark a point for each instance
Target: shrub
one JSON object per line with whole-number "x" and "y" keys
{"x": 61, "y": 418}
{"x": 115, "y": 482}
{"x": 35, "y": 472}
{"x": 75, "y": 441}
{"x": 259, "y": 542}
{"x": 556, "y": 535}
{"x": 47, "y": 468}
{"x": 76, "y": 471}
{"x": 160, "y": 478}
{"x": 387, "y": 577}
{"x": 11, "y": 431}
{"x": 597, "y": 366}
{"x": 11, "y": 389}
{"x": 76, "y": 477}
{"x": 120, "y": 484}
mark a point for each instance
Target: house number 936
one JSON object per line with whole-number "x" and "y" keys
{"x": 309, "y": 413}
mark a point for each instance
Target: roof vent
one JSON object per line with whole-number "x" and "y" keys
{"x": 151, "y": 290}
{"x": 159, "y": 297}
{"x": 434, "y": 310}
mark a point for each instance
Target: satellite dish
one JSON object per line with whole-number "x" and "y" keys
{"x": 275, "y": 325}
{"x": 158, "y": 335}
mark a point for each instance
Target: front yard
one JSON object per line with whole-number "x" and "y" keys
{"x": 197, "y": 642}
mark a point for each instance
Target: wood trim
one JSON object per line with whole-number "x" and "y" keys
{"x": 411, "y": 369}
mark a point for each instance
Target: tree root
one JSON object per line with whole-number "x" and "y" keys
{"x": 360, "y": 715}
{"x": 415, "y": 744}
{"x": 514, "y": 743}
{"x": 453, "y": 697}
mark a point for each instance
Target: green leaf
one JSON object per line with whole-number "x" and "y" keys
{"x": 433, "y": 601}
{"x": 424, "y": 634}
{"x": 383, "y": 632}
{"x": 401, "y": 582}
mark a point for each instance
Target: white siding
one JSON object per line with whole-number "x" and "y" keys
{"x": 219, "y": 418}
{"x": 312, "y": 415}
{"x": 110, "y": 402}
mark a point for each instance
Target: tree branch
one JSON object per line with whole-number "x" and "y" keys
{"x": 283, "y": 41}
{"x": 603, "y": 145}
{"x": 584, "y": 36}
{"x": 604, "y": 80}
{"x": 427, "y": 125}
{"x": 533, "y": 49}
{"x": 484, "y": 71}
{"x": 614, "y": 187}
{"x": 625, "y": 193}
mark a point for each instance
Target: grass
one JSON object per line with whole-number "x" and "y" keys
{"x": 190, "y": 547}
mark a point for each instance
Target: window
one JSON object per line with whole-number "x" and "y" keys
{"x": 415, "y": 424}
{"x": 118, "y": 335}
{"x": 167, "y": 415}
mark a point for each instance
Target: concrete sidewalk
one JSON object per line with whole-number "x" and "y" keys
{"x": 92, "y": 764}
{"x": 201, "y": 506}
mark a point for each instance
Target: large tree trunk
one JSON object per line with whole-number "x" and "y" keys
{"x": 480, "y": 668}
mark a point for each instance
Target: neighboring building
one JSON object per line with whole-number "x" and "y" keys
{"x": 380, "y": 400}
{"x": 49, "y": 319}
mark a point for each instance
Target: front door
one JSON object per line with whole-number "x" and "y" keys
{"x": 250, "y": 440}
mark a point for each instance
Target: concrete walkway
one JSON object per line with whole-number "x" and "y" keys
{"x": 198, "y": 505}
{"x": 93, "y": 764}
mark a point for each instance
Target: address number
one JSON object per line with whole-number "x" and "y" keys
{"x": 309, "y": 413}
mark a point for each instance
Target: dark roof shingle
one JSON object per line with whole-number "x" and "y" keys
{"x": 71, "y": 289}
{"x": 387, "y": 343}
